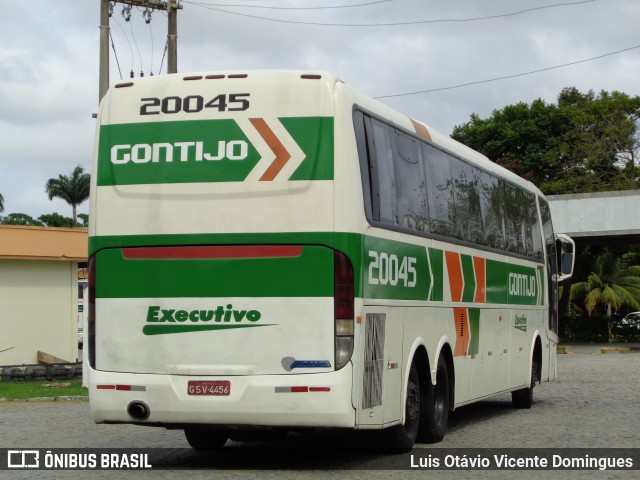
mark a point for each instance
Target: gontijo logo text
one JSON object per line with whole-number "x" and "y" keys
{"x": 522, "y": 285}
{"x": 184, "y": 151}
{"x": 170, "y": 320}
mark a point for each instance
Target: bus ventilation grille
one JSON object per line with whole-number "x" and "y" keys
{"x": 373, "y": 360}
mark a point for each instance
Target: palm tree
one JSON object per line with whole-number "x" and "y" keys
{"x": 74, "y": 189}
{"x": 610, "y": 287}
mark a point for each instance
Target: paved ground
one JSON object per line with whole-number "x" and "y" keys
{"x": 593, "y": 404}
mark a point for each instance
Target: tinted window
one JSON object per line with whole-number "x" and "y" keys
{"x": 383, "y": 172}
{"x": 415, "y": 186}
{"x": 439, "y": 190}
{"x": 411, "y": 192}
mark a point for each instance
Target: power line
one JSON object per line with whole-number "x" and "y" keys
{"x": 509, "y": 76}
{"x": 265, "y": 7}
{"x": 390, "y": 24}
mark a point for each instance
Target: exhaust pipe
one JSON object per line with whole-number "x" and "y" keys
{"x": 138, "y": 410}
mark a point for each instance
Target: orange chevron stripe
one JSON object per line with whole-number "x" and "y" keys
{"x": 479, "y": 266}
{"x": 281, "y": 153}
{"x": 456, "y": 279}
{"x": 421, "y": 130}
{"x": 463, "y": 336}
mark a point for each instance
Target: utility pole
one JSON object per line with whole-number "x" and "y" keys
{"x": 172, "y": 36}
{"x": 104, "y": 48}
{"x": 171, "y": 6}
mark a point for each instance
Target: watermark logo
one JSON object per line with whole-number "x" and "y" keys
{"x": 23, "y": 459}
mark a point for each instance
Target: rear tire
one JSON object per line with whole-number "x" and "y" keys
{"x": 400, "y": 438}
{"x": 433, "y": 424}
{"x": 206, "y": 439}
{"x": 523, "y": 398}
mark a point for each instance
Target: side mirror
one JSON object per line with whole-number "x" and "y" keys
{"x": 566, "y": 252}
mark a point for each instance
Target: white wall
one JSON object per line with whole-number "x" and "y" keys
{"x": 38, "y": 310}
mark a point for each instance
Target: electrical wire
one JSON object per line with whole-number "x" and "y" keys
{"x": 113, "y": 47}
{"x": 151, "y": 34}
{"x": 137, "y": 48}
{"x": 127, "y": 39}
{"x": 166, "y": 46}
{"x": 390, "y": 24}
{"x": 508, "y": 76}
{"x": 264, "y": 7}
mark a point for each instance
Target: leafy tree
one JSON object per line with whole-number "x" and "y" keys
{"x": 20, "y": 219}
{"x": 85, "y": 219}
{"x": 583, "y": 143}
{"x": 56, "y": 220}
{"x": 74, "y": 189}
{"x": 608, "y": 288}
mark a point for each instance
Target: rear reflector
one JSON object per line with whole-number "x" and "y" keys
{"x": 303, "y": 389}
{"x": 123, "y": 388}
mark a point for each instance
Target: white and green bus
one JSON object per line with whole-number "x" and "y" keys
{"x": 273, "y": 250}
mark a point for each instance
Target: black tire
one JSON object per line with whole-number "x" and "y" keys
{"x": 523, "y": 398}
{"x": 435, "y": 415}
{"x": 400, "y": 438}
{"x": 206, "y": 439}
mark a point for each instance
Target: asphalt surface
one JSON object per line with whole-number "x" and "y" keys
{"x": 594, "y": 403}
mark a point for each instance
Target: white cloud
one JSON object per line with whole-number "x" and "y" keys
{"x": 49, "y": 62}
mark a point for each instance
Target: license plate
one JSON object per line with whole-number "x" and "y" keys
{"x": 209, "y": 387}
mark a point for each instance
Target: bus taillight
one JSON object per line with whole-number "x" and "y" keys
{"x": 343, "y": 308}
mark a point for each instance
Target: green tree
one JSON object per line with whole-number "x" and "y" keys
{"x": 609, "y": 288}
{"x": 73, "y": 189}
{"x": 85, "y": 219}
{"x": 583, "y": 143}
{"x": 56, "y": 220}
{"x": 20, "y": 219}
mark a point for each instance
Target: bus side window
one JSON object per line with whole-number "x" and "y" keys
{"x": 411, "y": 193}
{"x": 382, "y": 176}
{"x": 439, "y": 190}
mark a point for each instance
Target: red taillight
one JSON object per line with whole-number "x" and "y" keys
{"x": 343, "y": 308}
{"x": 91, "y": 317}
{"x": 343, "y": 287}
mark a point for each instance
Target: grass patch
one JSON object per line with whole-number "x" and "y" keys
{"x": 42, "y": 388}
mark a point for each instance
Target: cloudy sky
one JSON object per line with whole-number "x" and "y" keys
{"x": 49, "y": 62}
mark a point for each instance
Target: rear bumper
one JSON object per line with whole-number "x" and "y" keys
{"x": 260, "y": 400}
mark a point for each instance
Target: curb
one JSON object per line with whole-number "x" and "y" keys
{"x": 76, "y": 398}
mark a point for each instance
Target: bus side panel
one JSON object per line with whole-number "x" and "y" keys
{"x": 205, "y": 310}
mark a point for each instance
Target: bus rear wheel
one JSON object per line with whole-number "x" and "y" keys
{"x": 401, "y": 438}
{"x": 523, "y": 398}
{"x": 206, "y": 439}
{"x": 433, "y": 425}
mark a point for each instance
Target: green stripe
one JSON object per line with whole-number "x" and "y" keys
{"x": 474, "y": 331}
{"x": 469, "y": 278}
{"x": 309, "y": 275}
{"x": 395, "y": 270}
{"x": 436, "y": 258}
{"x": 168, "y": 329}
{"x": 353, "y": 245}
{"x": 177, "y": 152}
{"x": 523, "y": 280}
{"x": 314, "y": 135}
